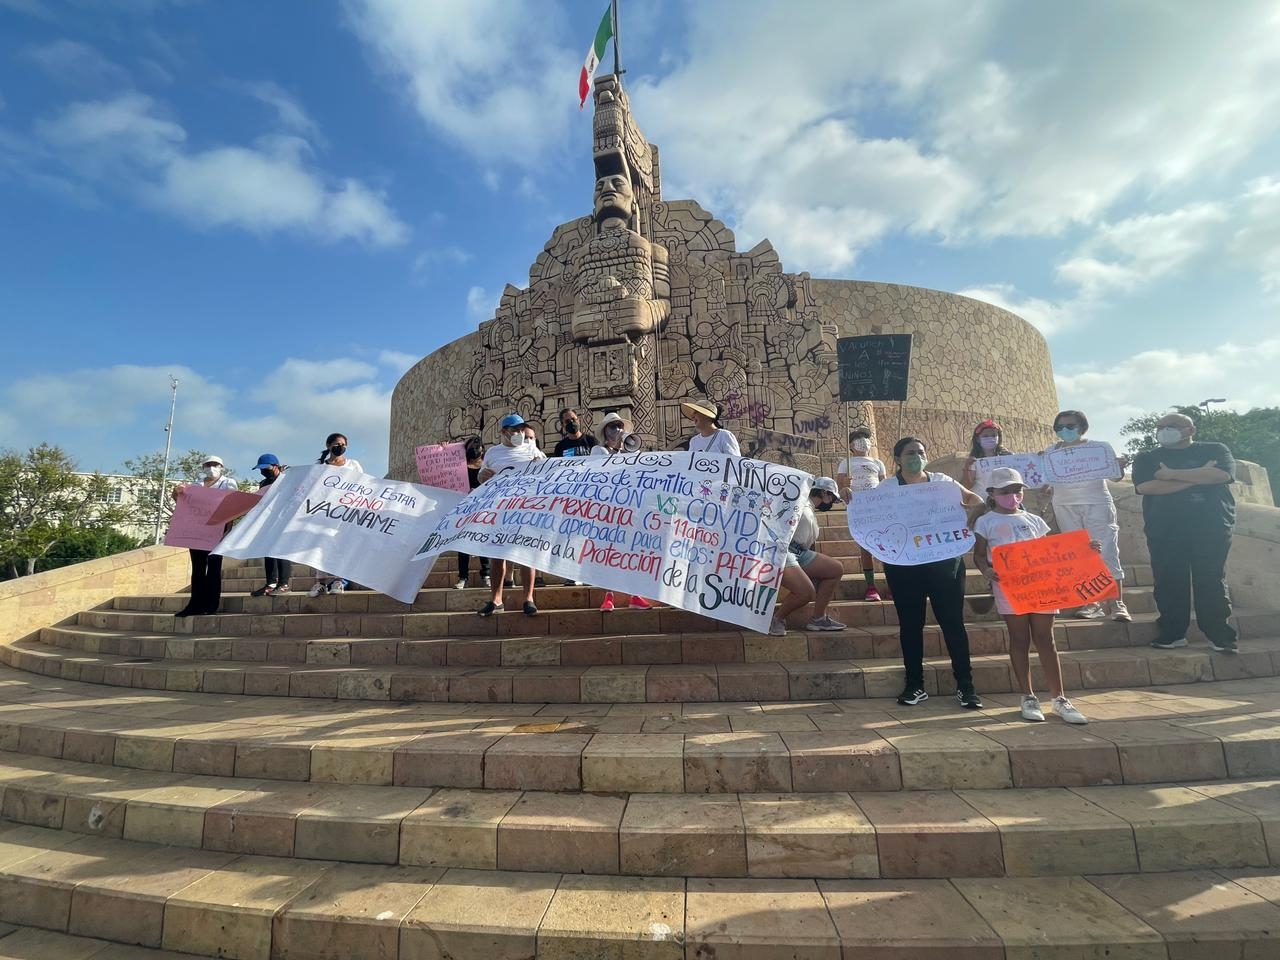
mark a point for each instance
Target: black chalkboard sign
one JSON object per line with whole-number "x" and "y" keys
{"x": 874, "y": 367}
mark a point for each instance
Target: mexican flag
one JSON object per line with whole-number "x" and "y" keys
{"x": 604, "y": 33}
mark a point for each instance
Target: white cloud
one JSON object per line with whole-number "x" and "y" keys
{"x": 127, "y": 143}
{"x": 448, "y": 255}
{"x": 291, "y": 114}
{"x": 1257, "y": 242}
{"x": 397, "y": 362}
{"x": 995, "y": 119}
{"x": 481, "y": 304}
{"x": 482, "y": 72}
{"x": 104, "y": 415}
{"x": 77, "y": 64}
{"x": 1046, "y": 316}
{"x": 1159, "y": 379}
{"x": 1129, "y": 254}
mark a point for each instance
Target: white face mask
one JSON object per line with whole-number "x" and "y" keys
{"x": 860, "y": 446}
{"x": 515, "y": 440}
{"x": 213, "y": 473}
{"x": 1168, "y": 436}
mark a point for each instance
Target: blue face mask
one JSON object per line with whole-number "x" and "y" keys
{"x": 1068, "y": 434}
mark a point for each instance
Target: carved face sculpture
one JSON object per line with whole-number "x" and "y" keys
{"x": 614, "y": 197}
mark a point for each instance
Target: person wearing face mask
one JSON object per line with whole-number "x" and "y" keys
{"x": 206, "y": 567}
{"x": 279, "y": 571}
{"x": 514, "y": 452}
{"x": 1087, "y": 505}
{"x": 615, "y": 431}
{"x": 809, "y": 576}
{"x": 334, "y": 454}
{"x": 940, "y": 584}
{"x": 1189, "y": 515}
{"x": 1006, "y": 522}
{"x": 574, "y": 442}
{"x": 988, "y": 441}
{"x": 475, "y": 460}
{"x": 857, "y": 472}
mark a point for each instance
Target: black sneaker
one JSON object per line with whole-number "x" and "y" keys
{"x": 1162, "y": 644}
{"x": 263, "y": 591}
{"x": 539, "y": 581}
{"x": 1224, "y": 646}
{"x": 489, "y": 609}
{"x": 911, "y": 695}
{"x": 969, "y": 698}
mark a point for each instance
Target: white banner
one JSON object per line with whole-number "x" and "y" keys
{"x": 1093, "y": 460}
{"x": 704, "y": 532}
{"x": 346, "y": 523}
{"x": 911, "y": 523}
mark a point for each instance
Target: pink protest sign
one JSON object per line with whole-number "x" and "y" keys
{"x": 234, "y": 506}
{"x": 444, "y": 465}
{"x": 190, "y": 526}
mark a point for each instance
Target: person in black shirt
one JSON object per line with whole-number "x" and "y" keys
{"x": 1189, "y": 514}
{"x": 279, "y": 571}
{"x": 475, "y": 460}
{"x": 574, "y": 443}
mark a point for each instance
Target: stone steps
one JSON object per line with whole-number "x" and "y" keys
{"x": 993, "y": 832}
{"x": 1211, "y": 731}
{"x": 799, "y": 680}
{"x": 31, "y": 943}
{"x": 257, "y": 908}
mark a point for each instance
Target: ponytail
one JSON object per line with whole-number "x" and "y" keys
{"x": 328, "y": 442}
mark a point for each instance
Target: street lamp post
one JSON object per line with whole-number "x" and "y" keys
{"x": 1204, "y": 404}
{"x": 168, "y": 445}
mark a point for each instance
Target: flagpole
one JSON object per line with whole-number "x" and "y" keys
{"x": 617, "y": 57}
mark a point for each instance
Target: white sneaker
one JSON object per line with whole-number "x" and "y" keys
{"x": 777, "y": 628}
{"x": 1120, "y": 612}
{"x": 460, "y": 585}
{"x": 1063, "y": 708}
{"x": 1093, "y": 611}
{"x": 317, "y": 588}
{"x": 337, "y": 586}
{"x": 1031, "y": 709}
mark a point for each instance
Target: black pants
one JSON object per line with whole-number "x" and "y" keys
{"x": 464, "y": 566}
{"x": 1189, "y": 561}
{"x": 206, "y": 582}
{"x": 279, "y": 571}
{"x": 942, "y": 584}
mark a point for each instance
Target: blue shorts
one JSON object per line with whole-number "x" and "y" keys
{"x": 800, "y": 558}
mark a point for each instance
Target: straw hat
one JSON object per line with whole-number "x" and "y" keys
{"x": 704, "y": 407}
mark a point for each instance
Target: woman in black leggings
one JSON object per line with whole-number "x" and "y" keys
{"x": 940, "y": 582}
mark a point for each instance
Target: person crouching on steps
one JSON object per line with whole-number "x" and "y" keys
{"x": 514, "y": 452}
{"x": 804, "y": 565}
{"x": 1006, "y": 522}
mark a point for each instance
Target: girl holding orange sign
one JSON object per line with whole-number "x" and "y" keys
{"x": 1006, "y": 522}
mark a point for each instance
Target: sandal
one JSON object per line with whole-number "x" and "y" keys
{"x": 530, "y": 609}
{"x": 489, "y": 609}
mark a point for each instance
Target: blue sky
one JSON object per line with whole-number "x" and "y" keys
{"x": 285, "y": 204}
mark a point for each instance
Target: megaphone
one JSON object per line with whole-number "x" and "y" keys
{"x": 630, "y": 443}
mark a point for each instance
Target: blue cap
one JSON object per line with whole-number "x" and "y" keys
{"x": 267, "y": 460}
{"x": 511, "y": 420}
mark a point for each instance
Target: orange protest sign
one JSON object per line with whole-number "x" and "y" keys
{"x": 1052, "y": 572}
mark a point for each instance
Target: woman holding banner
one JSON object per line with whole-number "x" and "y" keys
{"x": 804, "y": 566}
{"x": 1087, "y": 505}
{"x": 940, "y": 583}
{"x": 515, "y": 451}
{"x": 475, "y": 460}
{"x": 206, "y": 567}
{"x": 334, "y": 454}
{"x": 711, "y": 436}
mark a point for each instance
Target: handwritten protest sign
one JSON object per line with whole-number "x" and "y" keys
{"x": 911, "y": 523}
{"x": 1052, "y": 572}
{"x": 703, "y": 532}
{"x": 1094, "y": 460}
{"x": 347, "y": 523}
{"x": 191, "y": 525}
{"x": 443, "y": 465}
{"x": 234, "y": 505}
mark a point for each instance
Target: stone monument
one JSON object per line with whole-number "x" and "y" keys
{"x": 648, "y": 302}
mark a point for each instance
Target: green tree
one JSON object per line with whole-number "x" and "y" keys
{"x": 43, "y": 501}
{"x": 86, "y": 543}
{"x": 149, "y": 469}
{"x": 1250, "y": 436}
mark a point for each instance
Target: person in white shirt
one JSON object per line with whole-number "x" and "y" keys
{"x": 515, "y": 451}
{"x": 1006, "y": 522}
{"x": 711, "y": 436}
{"x": 858, "y": 472}
{"x": 1087, "y": 505}
{"x": 206, "y": 567}
{"x": 809, "y": 576}
{"x": 334, "y": 454}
